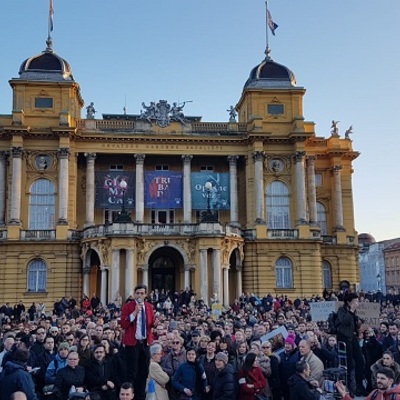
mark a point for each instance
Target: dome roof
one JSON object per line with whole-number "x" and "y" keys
{"x": 46, "y": 66}
{"x": 269, "y": 74}
{"x": 366, "y": 239}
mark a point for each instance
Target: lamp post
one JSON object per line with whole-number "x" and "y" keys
{"x": 208, "y": 216}
{"x": 123, "y": 216}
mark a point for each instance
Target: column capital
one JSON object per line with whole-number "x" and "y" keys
{"x": 336, "y": 168}
{"x": 311, "y": 159}
{"x": 258, "y": 155}
{"x": 90, "y": 156}
{"x": 63, "y": 152}
{"x": 140, "y": 158}
{"x": 187, "y": 158}
{"x": 17, "y": 152}
{"x": 233, "y": 160}
{"x": 299, "y": 156}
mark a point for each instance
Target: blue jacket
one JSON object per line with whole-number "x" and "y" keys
{"x": 15, "y": 378}
{"x": 190, "y": 376}
{"x": 53, "y": 367}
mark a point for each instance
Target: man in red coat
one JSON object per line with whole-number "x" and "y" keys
{"x": 137, "y": 319}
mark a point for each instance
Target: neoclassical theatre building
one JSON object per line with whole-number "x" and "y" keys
{"x": 260, "y": 203}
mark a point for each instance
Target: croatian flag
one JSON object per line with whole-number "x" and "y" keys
{"x": 272, "y": 25}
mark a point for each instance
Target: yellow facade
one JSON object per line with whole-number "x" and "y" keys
{"x": 273, "y": 238}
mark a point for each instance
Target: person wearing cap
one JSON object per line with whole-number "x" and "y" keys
{"x": 60, "y": 361}
{"x": 287, "y": 367}
{"x": 224, "y": 387}
{"x": 347, "y": 325}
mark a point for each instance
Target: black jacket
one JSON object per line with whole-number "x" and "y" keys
{"x": 97, "y": 374}
{"x": 225, "y": 385}
{"x": 346, "y": 323}
{"x": 300, "y": 389}
{"x": 66, "y": 378}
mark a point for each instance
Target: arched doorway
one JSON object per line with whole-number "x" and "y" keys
{"x": 94, "y": 273}
{"x": 166, "y": 270}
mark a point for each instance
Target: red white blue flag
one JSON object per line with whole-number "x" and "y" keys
{"x": 270, "y": 22}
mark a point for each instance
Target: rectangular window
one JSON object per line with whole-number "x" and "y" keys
{"x": 318, "y": 179}
{"x": 275, "y": 109}
{"x": 162, "y": 167}
{"x": 207, "y": 168}
{"x": 116, "y": 167}
{"x": 43, "y": 102}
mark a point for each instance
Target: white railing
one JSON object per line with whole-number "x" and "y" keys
{"x": 38, "y": 234}
{"x": 282, "y": 233}
{"x": 329, "y": 239}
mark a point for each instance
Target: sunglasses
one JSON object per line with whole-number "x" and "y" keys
{"x": 176, "y": 342}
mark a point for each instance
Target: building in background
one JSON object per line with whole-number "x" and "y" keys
{"x": 259, "y": 204}
{"x": 392, "y": 262}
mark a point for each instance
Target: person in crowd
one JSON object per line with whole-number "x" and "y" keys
{"x": 224, "y": 387}
{"x": 60, "y": 361}
{"x": 157, "y": 374}
{"x": 251, "y": 379}
{"x": 84, "y": 350}
{"x": 15, "y": 377}
{"x": 8, "y": 343}
{"x": 383, "y": 331}
{"x": 287, "y": 366}
{"x": 237, "y": 361}
{"x": 126, "y": 392}
{"x": 71, "y": 378}
{"x": 208, "y": 362}
{"x": 372, "y": 351}
{"x": 347, "y": 325}
{"x": 387, "y": 361}
{"x": 384, "y": 391}
{"x": 330, "y": 347}
{"x": 316, "y": 365}
{"x": 299, "y": 383}
{"x": 390, "y": 340}
{"x": 273, "y": 378}
{"x": 190, "y": 379}
{"x": 138, "y": 320}
{"x": 43, "y": 360}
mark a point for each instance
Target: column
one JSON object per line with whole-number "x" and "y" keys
{"x": 239, "y": 288}
{"x": 103, "y": 292}
{"x": 145, "y": 275}
{"x": 90, "y": 188}
{"x": 233, "y": 189}
{"x": 129, "y": 273}
{"x": 204, "y": 276}
{"x": 187, "y": 276}
{"x": 115, "y": 273}
{"x": 312, "y": 192}
{"x": 217, "y": 273}
{"x": 86, "y": 288}
{"x": 187, "y": 189}
{"x": 139, "y": 197}
{"x": 259, "y": 185}
{"x": 16, "y": 182}
{"x": 226, "y": 285}
{"x": 3, "y": 170}
{"x": 301, "y": 187}
{"x": 63, "y": 174}
{"x": 338, "y": 197}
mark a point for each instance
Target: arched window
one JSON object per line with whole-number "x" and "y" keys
{"x": 42, "y": 205}
{"x": 321, "y": 218}
{"x": 284, "y": 273}
{"x": 37, "y": 276}
{"x": 278, "y": 206}
{"x": 327, "y": 275}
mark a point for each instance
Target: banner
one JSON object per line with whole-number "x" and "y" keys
{"x": 369, "y": 312}
{"x": 163, "y": 189}
{"x": 109, "y": 193}
{"x": 218, "y": 195}
{"x": 320, "y": 310}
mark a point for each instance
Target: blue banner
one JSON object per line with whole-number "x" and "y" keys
{"x": 109, "y": 192}
{"x": 217, "y": 197}
{"x": 163, "y": 189}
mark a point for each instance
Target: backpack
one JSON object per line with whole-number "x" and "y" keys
{"x": 332, "y": 329}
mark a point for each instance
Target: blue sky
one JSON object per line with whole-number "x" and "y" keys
{"x": 344, "y": 52}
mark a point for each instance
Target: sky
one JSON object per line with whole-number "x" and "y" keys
{"x": 344, "y": 52}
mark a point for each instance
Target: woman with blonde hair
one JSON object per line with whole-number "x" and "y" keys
{"x": 157, "y": 374}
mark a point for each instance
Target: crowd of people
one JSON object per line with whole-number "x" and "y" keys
{"x": 171, "y": 346}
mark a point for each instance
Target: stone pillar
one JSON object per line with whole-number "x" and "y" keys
{"x": 259, "y": 186}
{"x": 3, "y": 175}
{"x": 204, "y": 276}
{"x": 139, "y": 198}
{"x": 233, "y": 189}
{"x": 129, "y": 273}
{"x": 16, "y": 185}
{"x": 90, "y": 188}
{"x": 115, "y": 273}
{"x": 103, "y": 292}
{"x": 217, "y": 273}
{"x": 239, "y": 288}
{"x": 145, "y": 275}
{"x": 338, "y": 198}
{"x": 63, "y": 177}
{"x": 301, "y": 188}
{"x": 226, "y": 285}
{"x": 312, "y": 191}
{"x": 86, "y": 287}
{"x": 187, "y": 276}
{"x": 187, "y": 189}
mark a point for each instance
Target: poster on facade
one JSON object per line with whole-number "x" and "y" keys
{"x": 218, "y": 195}
{"x": 109, "y": 192}
{"x": 163, "y": 189}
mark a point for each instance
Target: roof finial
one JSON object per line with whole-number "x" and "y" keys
{"x": 271, "y": 25}
{"x": 49, "y": 40}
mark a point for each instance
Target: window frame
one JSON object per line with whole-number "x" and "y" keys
{"x": 284, "y": 273}
{"x": 37, "y": 276}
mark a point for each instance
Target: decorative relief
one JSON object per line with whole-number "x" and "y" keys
{"x": 104, "y": 248}
{"x": 277, "y": 164}
{"x": 189, "y": 246}
{"x": 39, "y": 161}
{"x": 143, "y": 248}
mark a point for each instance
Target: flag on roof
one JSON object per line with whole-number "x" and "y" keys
{"x": 270, "y": 22}
{"x": 51, "y": 14}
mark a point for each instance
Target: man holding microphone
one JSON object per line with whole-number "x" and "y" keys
{"x": 137, "y": 319}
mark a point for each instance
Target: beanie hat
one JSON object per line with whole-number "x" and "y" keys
{"x": 63, "y": 345}
{"x": 222, "y": 356}
{"x": 291, "y": 340}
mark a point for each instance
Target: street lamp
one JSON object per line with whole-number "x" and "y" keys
{"x": 123, "y": 217}
{"x": 208, "y": 216}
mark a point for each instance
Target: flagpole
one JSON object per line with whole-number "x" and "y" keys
{"x": 267, "y": 49}
{"x": 49, "y": 40}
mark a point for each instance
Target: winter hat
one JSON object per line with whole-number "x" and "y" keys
{"x": 291, "y": 340}
{"x": 222, "y": 356}
{"x": 63, "y": 345}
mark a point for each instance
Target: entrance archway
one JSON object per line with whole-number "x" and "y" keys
{"x": 94, "y": 273}
{"x": 166, "y": 270}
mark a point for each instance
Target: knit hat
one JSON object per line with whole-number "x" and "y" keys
{"x": 222, "y": 356}
{"x": 291, "y": 340}
{"x": 63, "y": 345}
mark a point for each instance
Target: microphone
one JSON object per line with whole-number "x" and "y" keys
{"x": 139, "y": 300}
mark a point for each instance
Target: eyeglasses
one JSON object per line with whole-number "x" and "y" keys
{"x": 70, "y": 340}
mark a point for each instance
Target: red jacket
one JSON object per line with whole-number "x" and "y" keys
{"x": 129, "y": 338}
{"x": 254, "y": 377}
{"x": 390, "y": 394}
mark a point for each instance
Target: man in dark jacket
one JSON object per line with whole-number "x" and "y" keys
{"x": 15, "y": 377}
{"x": 299, "y": 384}
{"x": 225, "y": 383}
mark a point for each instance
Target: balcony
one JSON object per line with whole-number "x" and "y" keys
{"x": 328, "y": 239}
{"x": 36, "y": 234}
{"x": 282, "y": 233}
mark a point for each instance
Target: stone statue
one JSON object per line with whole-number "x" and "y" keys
{"x": 232, "y": 114}
{"x": 176, "y": 112}
{"x": 149, "y": 112}
{"x": 90, "y": 111}
{"x": 334, "y": 128}
{"x": 348, "y": 132}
